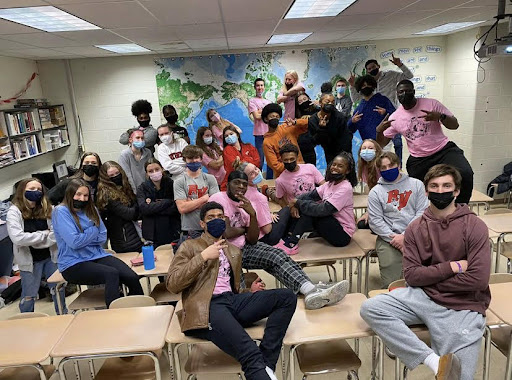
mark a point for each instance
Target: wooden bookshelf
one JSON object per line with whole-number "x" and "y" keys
{"x": 30, "y": 132}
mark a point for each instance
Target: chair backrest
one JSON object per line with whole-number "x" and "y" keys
{"x": 498, "y": 278}
{"x": 35, "y": 314}
{"x": 165, "y": 247}
{"x": 132, "y": 301}
{"x": 499, "y": 210}
{"x": 397, "y": 284}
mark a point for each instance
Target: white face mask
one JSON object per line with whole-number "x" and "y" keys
{"x": 166, "y": 139}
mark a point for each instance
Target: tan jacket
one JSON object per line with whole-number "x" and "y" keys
{"x": 196, "y": 278}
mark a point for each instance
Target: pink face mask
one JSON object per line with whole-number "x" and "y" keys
{"x": 215, "y": 117}
{"x": 156, "y": 176}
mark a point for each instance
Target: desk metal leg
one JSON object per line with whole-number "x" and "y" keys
{"x": 171, "y": 359}
{"x": 359, "y": 273}
{"x": 487, "y": 352}
{"x": 58, "y": 287}
{"x": 292, "y": 362}
{"x": 501, "y": 238}
{"x": 177, "y": 366}
{"x": 367, "y": 274}
{"x": 508, "y": 372}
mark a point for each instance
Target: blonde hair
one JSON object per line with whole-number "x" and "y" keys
{"x": 369, "y": 168}
{"x": 295, "y": 77}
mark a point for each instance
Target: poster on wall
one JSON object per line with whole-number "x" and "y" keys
{"x": 225, "y": 82}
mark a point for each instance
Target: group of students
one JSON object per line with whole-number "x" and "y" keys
{"x": 221, "y": 220}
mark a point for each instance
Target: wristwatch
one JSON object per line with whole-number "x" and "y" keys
{"x": 442, "y": 117}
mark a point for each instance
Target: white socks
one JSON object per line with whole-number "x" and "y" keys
{"x": 307, "y": 288}
{"x": 270, "y": 373}
{"x": 432, "y": 362}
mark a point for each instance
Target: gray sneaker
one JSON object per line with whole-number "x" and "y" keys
{"x": 326, "y": 294}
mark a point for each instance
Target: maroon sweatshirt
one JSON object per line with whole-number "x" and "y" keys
{"x": 430, "y": 245}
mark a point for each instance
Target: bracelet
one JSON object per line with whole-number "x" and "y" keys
{"x": 460, "y": 266}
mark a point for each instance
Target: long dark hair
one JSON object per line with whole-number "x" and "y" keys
{"x": 80, "y": 173}
{"x": 108, "y": 190}
{"x": 230, "y": 128}
{"x": 89, "y": 209}
{"x": 350, "y": 176}
{"x": 43, "y": 209}
{"x": 208, "y": 149}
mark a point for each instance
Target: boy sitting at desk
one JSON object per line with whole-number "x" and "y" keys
{"x": 207, "y": 271}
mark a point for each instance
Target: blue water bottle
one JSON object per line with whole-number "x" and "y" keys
{"x": 148, "y": 255}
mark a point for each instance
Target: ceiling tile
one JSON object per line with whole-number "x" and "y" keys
{"x": 12, "y": 45}
{"x": 250, "y": 28}
{"x": 39, "y": 53}
{"x": 403, "y": 18}
{"x": 248, "y": 10}
{"x": 184, "y": 12}
{"x": 9, "y": 27}
{"x": 353, "y": 22}
{"x": 302, "y": 25}
{"x": 61, "y": 2}
{"x": 376, "y": 6}
{"x": 41, "y": 39}
{"x": 247, "y": 42}
{"x": 93, "y": 37}
{"x": 166, "y": 46}
{"x": 86, "y": 51}
{"x": 149, "y": 34}
{"x": 423, "y": 5}
{"x": 200, "y": 32}
{"x": 209, "y": 44}
{"x": 326, "y": 37}
{"x": 21, "y": 3}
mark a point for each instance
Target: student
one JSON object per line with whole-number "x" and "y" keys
{"x": 34, "y": 246}
{"x": 118, "y": 208}
{"x": 141, "y": 110}
{"x": 329, "y": 129}
{"x": 279, "y": 135}
{"x": 329, "y": 209}
{"x": 170, "y": 151}
{"x": 217, "y": 125}
{"x": 160, "y": 217}
{"x": 393, "y": 204}
{"x": 419, "y": 121}
{"x": 80, "y": 235}
{"x": 291, "y": 87}
{"x": 212, "y": 156}
{"x": 255, "y": 106}
{"x": 446, "y": 261}
{"x": 133, "y": 158}
{"x": 171, "y": 116}
{"x": 243, "y": 232}
{"x": 207, "y": 271}
{"x": 88, "y": 170}
{"x": 235, "y": 150}
{"x": 304, "y": 108}
{"x": 343, "y": 102}
{"x": 192, "y": 189}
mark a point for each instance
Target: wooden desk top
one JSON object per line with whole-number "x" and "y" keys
{"x": 340, "y": 321}
{"x": 500, "y": 301}
{"x": 268, "y": 182}
{"x": 478, "y": 197}
{"x": 274, "y": 207}
{"x": 500, "y": 223}
{"x": 136, "y": 329}
{"x": 317, "y": 249}
{"x": 164, "y": 258}
{"x": 365, "y": 239}
{"x": 56, "y": 277}
{"x": 360, "y": 200}
{"x": 29, "y": 341}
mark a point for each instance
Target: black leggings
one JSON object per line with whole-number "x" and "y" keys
{"x": 108, "y": 270}
{"x": 279, "y": 229}
{"x": 326, "y": 226}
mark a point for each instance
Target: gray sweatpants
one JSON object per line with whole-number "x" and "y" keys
{"x": 454, "y": 331}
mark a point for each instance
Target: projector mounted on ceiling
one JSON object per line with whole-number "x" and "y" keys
{"x": 501, "y": 46}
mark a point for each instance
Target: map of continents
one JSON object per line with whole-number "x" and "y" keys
{"x": 225, "y": 82}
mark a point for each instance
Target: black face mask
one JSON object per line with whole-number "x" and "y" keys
{"x": 273, "y": 123}
{"x": 441, "y": 200}
{"x": 144, "y": 123}
{"x": 290, "y": 166}
{"x": 374, "y": 72}
{"x": 329, "y": 108}
{"x": 288, "y": 86}
{"x": 367, "y": 91}
{"x": 336, "y": 177}
{"x": 117, "y": 179}
{"x": 91, "y": 170}
{"x": 172, "y": 119}
{"x": 305, "y": 106}
{"x": 79, "y": 204}
{"x": 406, "y": 99}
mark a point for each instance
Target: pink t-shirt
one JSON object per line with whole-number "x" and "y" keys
{"x": 424, "y": 138}
{"x": 218, "y": 135}
{"x": 237, "y": 216}
{"x": 223, "y": 283}
{"x": 219, "y": 173}
{"x": 290, "y": 185}
{"x": 289, "y": 104}
{"x": 260, "y": 128}
{"x": 340, "y": 196}
{"x": 260, "y": 204}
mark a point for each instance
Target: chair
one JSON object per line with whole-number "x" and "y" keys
{"x": 165, "y": 247}
{"x": 160, "y": 293}
{"x": 132, "y": 301}
{"x": 506, "y": 247}
{"x": 34, "y": 314}
{"x": 206, "y": 358}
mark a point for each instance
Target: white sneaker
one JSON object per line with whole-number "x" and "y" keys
{"x": 325, "y": 294}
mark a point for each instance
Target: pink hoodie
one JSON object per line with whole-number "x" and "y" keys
{"x": 430, "y": 245}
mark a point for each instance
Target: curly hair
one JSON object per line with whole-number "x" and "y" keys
{"x": 141, "y": 106}
{"x": 350, "y": 176}
{"x": 369, "y": 169}
{"x": 368, "y": 79}
{"x": 108, "y": 190}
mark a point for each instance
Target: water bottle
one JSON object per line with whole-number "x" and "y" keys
{"x": 148, "y": 255}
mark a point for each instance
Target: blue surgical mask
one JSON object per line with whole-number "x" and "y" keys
{"x": 367, "y": 154}
{"x": 208, "y": 140}
{"x": 194, "y": 166}
{"x": 340, "y": 91}
{"x": 390, "y": 175}
{"x": 231, "y": 139}
{"x": 139, "y": 144}
{"x": 257, "y": 179}
{"x": 216, "y": 227}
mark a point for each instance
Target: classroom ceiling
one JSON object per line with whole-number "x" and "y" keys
{"x": 178, "y": 27}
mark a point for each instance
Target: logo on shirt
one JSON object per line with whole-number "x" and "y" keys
{"x": 417, "y": 128}
{"x": 397, "y": 199}
{"x": 284, "y": 140}
{"x": 194, "y": 192}
{"x": 300, "y": 186}
{"x": 175, "y": 155}
{"x": 237, "y": 219}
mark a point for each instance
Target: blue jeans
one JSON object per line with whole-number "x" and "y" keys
{"x": 31, "y": 281}
{"x": 258, "y": 142}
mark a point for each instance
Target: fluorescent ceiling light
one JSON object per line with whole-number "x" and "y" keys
{"x": 317, "y": 8}
{"x": 123, "y": 48}
{"x": 450, "y": 27}
{"x": 49, "y": 19}
{"x": 287, "y": 38}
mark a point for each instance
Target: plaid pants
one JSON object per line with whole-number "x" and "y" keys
{"x": 276, "y": 262}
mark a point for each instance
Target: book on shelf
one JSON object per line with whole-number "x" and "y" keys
{"x": 22, "y": 122}
{"x": 41, "y": 102}
{"x": 25, "y": 147}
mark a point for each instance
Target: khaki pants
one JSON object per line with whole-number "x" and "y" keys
{"x": 390, "y": 262}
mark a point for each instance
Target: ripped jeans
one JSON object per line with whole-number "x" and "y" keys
{"x": 31, "y": 281}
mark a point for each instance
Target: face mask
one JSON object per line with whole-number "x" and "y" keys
{"x": 367, "y": 91}
{"x": 340, "y": 91}
{"x": 390, "y": 175}
{"x": 290, "y": 166}
{"x": 273, "y": 123}
{"x": 329, "y": 108}
{"x": 166, "y": 139}
{"x": 156, "y": 176}
{"x": 139, "y": 144}
{"x": 257, "y": 179}
{"x": 172, "y": 119}
{"x": 441, "y": 200}
{"x": 337, "y": 177}
{"x": 194, "y": 166}
{"x": 216, "y": 227}
{"x": 117, "y": 179}
{"x": 305, "y": 106}
{"x": 91, "y": 170}
{"x": 374, "y": 72}
{"x": 208, "y": 140}
{"x": 215, "y": 117}
{"x": 34, "y": 195}
{"x": 231, "y": 139}
{"x": 367, "y": 154}
{"x": 79, "y": 204}
{"x": 407, "y": 98}
{"x": 144, "y": 123}
{"x": 288, "y": 86}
